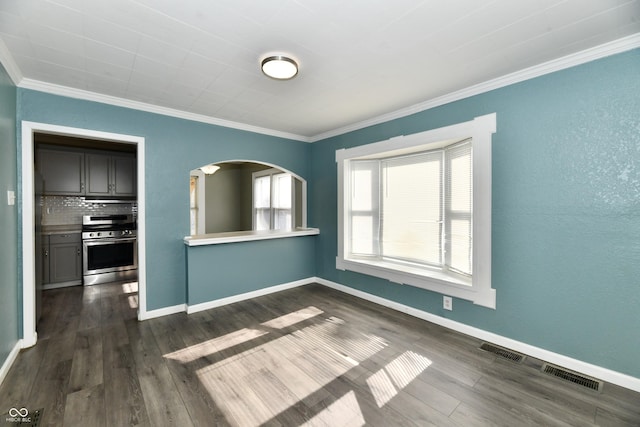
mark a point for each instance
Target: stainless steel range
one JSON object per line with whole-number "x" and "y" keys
{"x": 110, "y": 249}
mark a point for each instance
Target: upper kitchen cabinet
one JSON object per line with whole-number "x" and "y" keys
{"x": 75, "y": 171}
{"x": 62, "y": 172}
{"x": 110, "y": 175}
{"x": 124, "y": 175}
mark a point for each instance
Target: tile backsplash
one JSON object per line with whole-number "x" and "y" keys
{"x": 68, "y": 210}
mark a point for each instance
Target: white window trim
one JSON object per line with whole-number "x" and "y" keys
{"x": 479, "y": 291}
{"x": 201, "y": 217}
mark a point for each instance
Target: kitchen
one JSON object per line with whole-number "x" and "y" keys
{"x": 86, "y": 212}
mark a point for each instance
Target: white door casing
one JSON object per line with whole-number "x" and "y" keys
{"x": 29, "y": 335}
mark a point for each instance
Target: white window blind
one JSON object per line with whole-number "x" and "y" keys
{"x": 282, "y": 198}
{"x": 193, "y": 205}
{"x": 414, "y": 208}
{"x": 364, "y": 217}
{"x": 459, "y": 208}
{"x": 272, "y": 200}
{"x": 262, "y": 202}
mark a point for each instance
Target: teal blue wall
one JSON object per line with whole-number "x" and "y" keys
{"x": 566, "y": 205}
{"x": 215, "y": 271}
{"x": 566, "y": 211}
{"x": 173, "y": 148}
{"x": 9, "y": 299}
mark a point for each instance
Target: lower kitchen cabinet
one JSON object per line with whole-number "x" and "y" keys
{"x": 62, "y": 259}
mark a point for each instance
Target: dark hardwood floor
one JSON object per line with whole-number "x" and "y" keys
{"x": 307, "y": 356}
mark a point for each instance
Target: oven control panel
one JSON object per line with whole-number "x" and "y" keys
{"x": 108, "y": 227}
{"x": 106, "y": 234}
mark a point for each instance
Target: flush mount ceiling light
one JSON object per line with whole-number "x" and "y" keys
{"x": 209, "y": 169}
{"x": 279, "y": 67}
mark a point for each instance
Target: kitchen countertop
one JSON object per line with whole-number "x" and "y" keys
{"x": 61, "y": 229}
{"x": 246, "y": 236}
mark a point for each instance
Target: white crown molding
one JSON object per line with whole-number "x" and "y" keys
{"x": 607, "y": 49}
{"x": 6, "y": 59}
{"x": 150, "y": 108}
{"x": 617, "y": 46}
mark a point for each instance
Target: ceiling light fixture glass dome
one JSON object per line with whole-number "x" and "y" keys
{"x": 210, "y": 169}
{"x": 279, "y": 67}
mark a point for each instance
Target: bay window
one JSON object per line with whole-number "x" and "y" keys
{"x": 417, "y": 210}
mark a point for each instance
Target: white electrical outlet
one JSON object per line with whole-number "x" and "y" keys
{"x": 11, "y": 198}
{"x": 447, "y": 303}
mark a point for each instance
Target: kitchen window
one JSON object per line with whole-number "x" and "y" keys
{"x": 273, "y": 200}
{"x": 416, "y": 210}
{"x": 193, "y": 205}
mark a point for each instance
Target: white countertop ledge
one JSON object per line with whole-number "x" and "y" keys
{"x": 246, "y": 236}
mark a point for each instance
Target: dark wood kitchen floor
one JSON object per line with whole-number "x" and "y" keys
{"x": 307, "y": 356}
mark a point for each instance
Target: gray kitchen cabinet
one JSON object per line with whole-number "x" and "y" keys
{"x": 110, "y": 175}
{"x": 68, "y": 172}
{"x": 98, "y": 175}
{"x": 124, "y": 176}
{"x": 63, "y": 259}
{"x": 62, "y": 172}
{"x": 44, "y": 265}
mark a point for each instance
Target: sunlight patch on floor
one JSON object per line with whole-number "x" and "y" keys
{"x": 396, "y": 375}
{"x": 381, "y": 387}
{"x": 130, "y": 287}
{"x": 133, "y": 301}
{"x": 333, "y": 335}
{"x": 342, "y": 409}
{"x": 406, "y": 368}
{"x": 293, "y": 318}
{"x": 278, "y": 377}
{"x": 215, "y": 345}
{"x": 241, "y": 336}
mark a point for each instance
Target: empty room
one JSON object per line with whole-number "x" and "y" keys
{"x": 319, "y": 213}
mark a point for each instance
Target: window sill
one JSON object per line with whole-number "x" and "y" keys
{"x": 246, "y": 236}
{"x": 435, "y": 281}
{"x": 404, "y": 272}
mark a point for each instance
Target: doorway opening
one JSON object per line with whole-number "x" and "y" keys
{"x": 29, "y": 132}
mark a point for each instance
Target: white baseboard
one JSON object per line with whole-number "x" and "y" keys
{"x": 248, "y": 295}
{"x": 27, "y": 342}
{"x": 189, "y": 309}
{"x": 13, "y": 354}
{"x": 608, "y": 375}
{"x": 165, "y": 311}
{"x": 614, "y": 377}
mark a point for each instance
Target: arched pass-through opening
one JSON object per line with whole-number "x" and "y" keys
{"x": 29, "y": 335}
{"x": 246, "y": 195}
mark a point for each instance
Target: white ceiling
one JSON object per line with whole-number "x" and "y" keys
{"x": 359, "y": 59}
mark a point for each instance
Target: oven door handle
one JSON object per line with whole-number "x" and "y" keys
{"x": 108, "y": 241}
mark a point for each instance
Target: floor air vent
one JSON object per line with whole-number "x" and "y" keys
{"x": 573, "y": 377}
{"x": 502, "y": 352}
